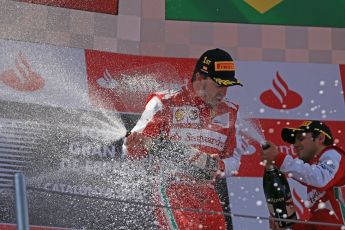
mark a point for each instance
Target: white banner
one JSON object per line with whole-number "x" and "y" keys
{"x": 43, "y": 74}
{"x": 289, "y": 91}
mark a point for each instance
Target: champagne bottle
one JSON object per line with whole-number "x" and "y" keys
{"x": 278, "y": 196}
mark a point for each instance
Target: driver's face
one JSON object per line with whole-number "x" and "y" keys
{"x": 209, "y": 91}
{"x": 305, "y": 146}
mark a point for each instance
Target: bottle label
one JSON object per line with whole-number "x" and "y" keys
{"x": 290, "y": 208}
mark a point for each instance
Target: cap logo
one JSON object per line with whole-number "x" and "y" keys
{"x": 206, "y": 61}
{"x": 306, "y": 123}
{"x": 223, "y": 82}
{"x": 324, "y": 133}
{"x": 224, "y": 66}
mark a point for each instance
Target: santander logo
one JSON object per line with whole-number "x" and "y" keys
{"x": 22, "y": 77}
{"x": 281, "y": 97}
{"x": 107, "y": 81}
{"x": 137, "y": 82}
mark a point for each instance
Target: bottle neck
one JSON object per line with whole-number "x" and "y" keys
{"x": 270, "y": 167}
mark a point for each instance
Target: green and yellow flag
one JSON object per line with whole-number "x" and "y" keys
{"x": 276, "y": 12}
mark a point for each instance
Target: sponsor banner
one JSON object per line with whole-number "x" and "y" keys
{"x": 289, "y": 91}
{"x": 276, "y": 12}
{"x": 104, "y": 6}
{"x": 56, "y": 76}
{"x": 43, "y": 74}
{"x": 123, "y": 82}
{"x": 271, "y": 130}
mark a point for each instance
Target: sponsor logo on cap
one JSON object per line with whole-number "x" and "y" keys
{"x": 224, "y": 66}
{"x": 224, "y": 82}
{"x": 306, "y": 123}
{"x": 206, "y": 61}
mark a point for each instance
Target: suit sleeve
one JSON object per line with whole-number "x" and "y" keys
{"x": 323, "y": 175}
{"x": 233, "y": 154}
{"x": 151, "y": 124}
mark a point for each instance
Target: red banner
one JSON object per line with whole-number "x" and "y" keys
{"x": 122, "y": 82}
{"x": 103, "y": 6}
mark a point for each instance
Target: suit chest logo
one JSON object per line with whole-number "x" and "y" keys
{"x": 186, "y": 115}
{"x": 222, "y": 120}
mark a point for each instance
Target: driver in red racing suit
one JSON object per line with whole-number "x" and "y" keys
{"x": 199, "y": 116}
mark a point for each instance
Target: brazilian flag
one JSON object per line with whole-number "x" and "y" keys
{"x": 320, "y": 13}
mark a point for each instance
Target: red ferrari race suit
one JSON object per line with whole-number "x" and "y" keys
{"x": 324, "y": 178}
{"x": 183, "y": 117}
